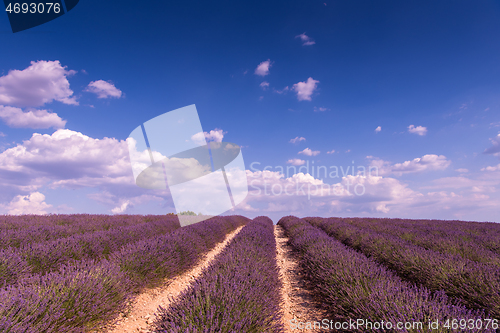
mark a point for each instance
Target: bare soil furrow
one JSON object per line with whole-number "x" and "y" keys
{"x": 299, "y": 304}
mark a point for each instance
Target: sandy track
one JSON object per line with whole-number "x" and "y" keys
{"x": 298, "y": 301}
{"x": 146, "y": 304}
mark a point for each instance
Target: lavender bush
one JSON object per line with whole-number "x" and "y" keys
{"x": 48, "y": 256}
{"x": 73, "y": 223}
{"x": 68, "y": 225}
{"x": 150, "y": 260}
{"x": 478, "y": 285}
{"x": 239, "y": 292}
{"x": 443, "y": 236}
{"x": 74, "y": 299}
{"x": 79, "y": 296}
{"x": 356, "y": 287}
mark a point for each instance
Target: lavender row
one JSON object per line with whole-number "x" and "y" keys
{"x": 48, "y": 256}
{"x": 81, "y": 297}
{"x": 355, "y": 287}
{"x": 485, "y": 233}
{"x": 83, "y": 222}
{"x": 239, "y": 292}
{"x": 74, "y": 299}
{"x": 148, "y": 261}
{"x": 445, "y": 239}
{"x": 69, "y": 225}
{"x": 478, "y": 285}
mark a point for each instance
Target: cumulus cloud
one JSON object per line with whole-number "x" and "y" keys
{"x": 495, "y": 148}
{"x": 331, "y": 151}
{"x": 296, "y": 161}
{"x": 215, "y": 135}
{"x": 492, "y": 168}
{"x": 301, "y": 194}
{"x": 320, "y": 109}
{"x": 428, "y": 162}
{"x": 104, "y": 89}
{"x": 419, "y": 130}
{"x": 15, "y": 117}
{"x": 67, "y": 154}
{"x": 309, "y": 152}
{"x": 306, "y": 40}
{"x": 264, "y": 85}
{"x": 297, "y": 139}
{"x": 462, "y": 170}
{"x": 33, "y": 203}
{"x": 71, "y": 160}
{"x": 378, "y": 129}
{"x": 67, "y": 159}
{"x": 120, "y": 209}
{"x": 263, "y": 68}
{"x": 305, "y": 89}
{"x": 40, "y": 83}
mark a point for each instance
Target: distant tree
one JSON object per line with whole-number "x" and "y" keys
{"x": 188, "y": 213}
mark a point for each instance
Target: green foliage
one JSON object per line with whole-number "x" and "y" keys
{"x": 188, "y": 212}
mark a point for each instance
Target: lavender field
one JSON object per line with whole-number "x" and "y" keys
{"x": 78, "y": 273}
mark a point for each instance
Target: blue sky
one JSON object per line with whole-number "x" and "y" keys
{"x": 261, "y": 73}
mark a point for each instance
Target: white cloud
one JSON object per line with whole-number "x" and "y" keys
{"x": 309, "y": 152}
{"x": 40, "y": 83}
{"x": 462, "y": 170}
{"x": 33, "y": 203}
{"x": 215, "y": 135}
{"x": 273, "y": 194}
{"x": 104, "y": 89}
{"x": 492, "y": 168}
{"x": 425, "y": 163}
{"x": 264, "y": 85}
{"x": 306, "y": 40}
{"x": 495, "y": 149}
{"x": 15, "y": 117}
{"x": 331, "y": 151}
{"x": 120, "y": 209}
{"x": 296, "y": 161}
{"x": 71, "y": 160}
{"x": 2, "y": 135}
{"x": 304, "y": 195}
{"x": 263, "y": 68}
{"x": 419, "y": 130}
{"x": 66, "y": 156}
{"x": 378, "y": 129}
{"x": 304, "y": 90}
{"x": 297, "y": 139}
{"x": 320, "y": 109}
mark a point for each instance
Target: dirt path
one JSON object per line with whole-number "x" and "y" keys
{"x": 299, "y": 304}
{"x": 146, "y": 304}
